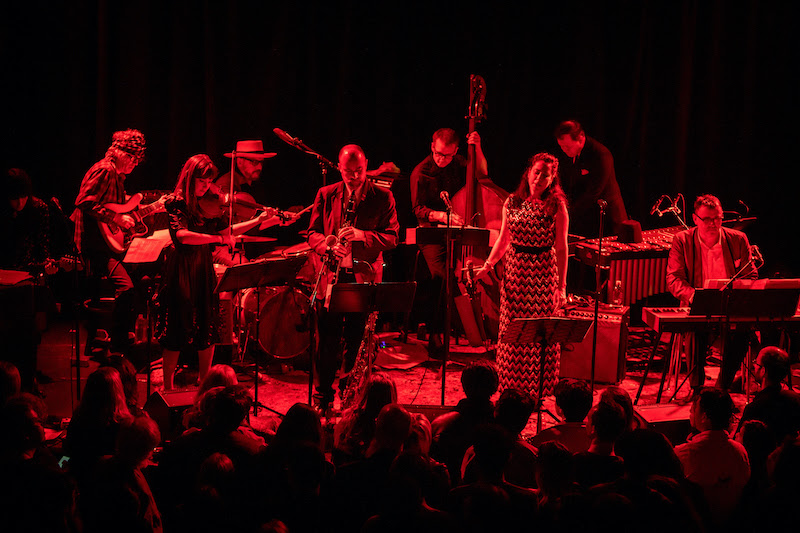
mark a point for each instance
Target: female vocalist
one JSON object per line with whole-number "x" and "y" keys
{"x": 187, "y": 308}
{"x": 534, "y": 232}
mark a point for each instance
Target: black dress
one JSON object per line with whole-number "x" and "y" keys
{"x": 187, "y": 310}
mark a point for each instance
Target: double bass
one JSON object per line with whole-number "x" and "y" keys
{"x": 480, "y": 204}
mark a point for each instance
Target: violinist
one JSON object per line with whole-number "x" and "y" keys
{"x": 249, "y": 157}
{"x": 187, "y": 308}
{"x": 357, "y": 248}
{"x": 443, "y": 170}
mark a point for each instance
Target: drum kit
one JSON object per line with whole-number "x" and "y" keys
{"x": 274, "y": 313}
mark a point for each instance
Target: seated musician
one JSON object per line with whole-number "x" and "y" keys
{"x": 443, "y": 170}
{"x": 709, "y": 251}
{"x": 358, "y": 248}
{"x": 104, "y": 183}
{"x": 25, "y": 223}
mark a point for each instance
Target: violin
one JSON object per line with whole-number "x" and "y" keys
{"x": 216, "y": 203}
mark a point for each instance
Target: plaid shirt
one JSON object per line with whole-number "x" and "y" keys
{"x": 101, "y": 185}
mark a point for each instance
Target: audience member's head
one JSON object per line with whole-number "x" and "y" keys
{"x": 392, "y": 428}
{"x": 493, "y": 444}
{"x": 218, "y": 376}
{"x": 647, "y": 452}
{"x": 23, "y": 431}
{"x": 225, "y": 408}
{"x": 607, "y": 421}
{"x": 301, "y": 424}
{"x": 216, "y": 471}
{"x": 555, "y": 471}
{"x": 774, "y": 364}
{"x": 513, "y": 409}
{"x": 103, "y": 398}
{"x": 305, "y": 464}
{"x": 573, "y": 399}
{"x": 758, "y": 440}
{"x": 407, "y": 476}
{"x": 379, "y": 391}
{"x": 419, "y": 439}
{"x": 619, "y": 395}
{"x": 712, "y": 409}
{"x": 480, "y": 380}
{"x": 127, "y": 375}
{"x": 10, "y": 382}
{"x": 136, "y": 440}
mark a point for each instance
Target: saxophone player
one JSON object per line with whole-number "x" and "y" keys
{"x": 354, "y": 243}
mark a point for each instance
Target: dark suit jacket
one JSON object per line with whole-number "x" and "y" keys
{"x": 375, "y": 214}
{"x": 685, "y": 265}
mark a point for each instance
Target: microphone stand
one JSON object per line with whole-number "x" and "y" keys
{"x": 598, "y": 290}
{"x": 448, "y": 295}
{"x": 324, "y": 163}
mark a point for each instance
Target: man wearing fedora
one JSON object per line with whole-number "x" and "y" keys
{"x": 250, "y": 156}
{"x": 104, "y": 184}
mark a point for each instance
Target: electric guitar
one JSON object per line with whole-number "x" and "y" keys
{"x": 119, "y": 239}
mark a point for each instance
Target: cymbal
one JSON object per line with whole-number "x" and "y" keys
{"x": 255, "y": 238}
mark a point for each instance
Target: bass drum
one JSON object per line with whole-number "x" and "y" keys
{"x": 282, "y": 320}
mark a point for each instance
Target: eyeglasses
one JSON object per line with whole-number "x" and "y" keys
{"x": 445, "y": 156}
{"x": 709, "y": 220}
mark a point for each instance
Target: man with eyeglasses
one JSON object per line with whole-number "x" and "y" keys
{"x": 704, "y": 252}
{"x": 443, "y": 170}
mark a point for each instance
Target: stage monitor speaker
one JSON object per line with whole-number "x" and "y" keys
{"x": 670, "y": 419}
{"x": 167, "y": 408}
{"x": 612, "y": 343}
{"x": 430, "y": 411}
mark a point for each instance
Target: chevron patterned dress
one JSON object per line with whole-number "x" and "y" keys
{"x": 529, "y": 283}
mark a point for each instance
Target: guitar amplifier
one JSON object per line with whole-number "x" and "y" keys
{"x": 612, "y": 343}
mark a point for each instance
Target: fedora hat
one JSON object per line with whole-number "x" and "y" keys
{"x": 251, "y": 150}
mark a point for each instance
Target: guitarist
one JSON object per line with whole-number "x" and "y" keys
{"x": 103, "y": 184}
{"x": 443, "y": 170}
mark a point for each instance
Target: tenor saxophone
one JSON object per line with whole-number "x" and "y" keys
{"x": 357, "y": 379}
{"x": 334, "y": 265}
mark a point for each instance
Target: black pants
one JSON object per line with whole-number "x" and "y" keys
{"x": 735, "y": 348}
{"x": 123, "y": 316}
{"x": 340, "y": 336}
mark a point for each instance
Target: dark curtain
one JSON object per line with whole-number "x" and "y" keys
{"x": 690, "y": 96}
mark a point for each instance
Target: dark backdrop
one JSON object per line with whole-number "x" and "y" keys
{"x": 690, "y": 96}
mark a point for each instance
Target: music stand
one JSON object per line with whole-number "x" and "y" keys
{"x": 365, "y": 298}
{"x": 449, "y": 236}
{"x": 545, "y": 331}
{"x": 269, "y": 271}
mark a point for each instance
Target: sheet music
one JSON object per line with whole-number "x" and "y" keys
{"x": 148, "y": 249}
{"x": 12, "y": 277}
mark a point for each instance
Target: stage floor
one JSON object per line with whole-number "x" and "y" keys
{"x": 418, "y": 379}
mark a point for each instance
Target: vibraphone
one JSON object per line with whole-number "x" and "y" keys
{"x": 641, "y": 267}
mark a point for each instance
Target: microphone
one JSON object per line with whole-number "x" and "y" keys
{"x": 57, "y": 204}
{"x": 445, "y": 196}
{"x": 756, "y": 253}
{"x": 655, "y": 209}
{"x": 603, "y": 204}
{"x": 285, "y": 137}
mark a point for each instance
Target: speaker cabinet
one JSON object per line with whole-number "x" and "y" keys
{"x": 670, "y": 419}
{"x": 612, "y": 342}
{"x": 166, "y": 409}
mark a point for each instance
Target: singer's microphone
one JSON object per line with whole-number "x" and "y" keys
{"x": 602, "y": 203}
{"x": 756, "y": 253}
{"x": 445, "y": 196}
{"x": 57, "y": 204}
{"x": 285, "y": 137}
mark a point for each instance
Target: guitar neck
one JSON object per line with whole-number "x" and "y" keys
{"x": 148, "y": 209}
